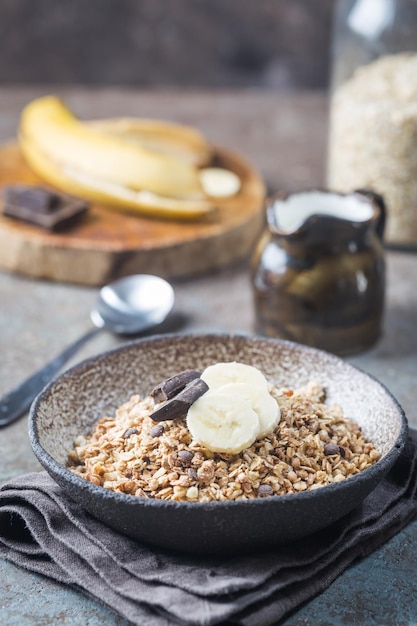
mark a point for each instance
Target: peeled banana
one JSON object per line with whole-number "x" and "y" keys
{"x": 176, "y": 140}
{"x": 235, "y": 411}
{"x": 76, "y": 183}
{"x": 152, "y": 167}
{"x": 49, "y": 125}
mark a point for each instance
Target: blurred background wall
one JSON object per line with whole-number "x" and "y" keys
{"x": 270, "y": 44}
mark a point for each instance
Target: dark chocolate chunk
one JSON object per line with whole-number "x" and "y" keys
{"x": 41, "y": 207}
{"x": 170, "y": 387}
{"x": 37, "y": 199}
{"x": 193, "y": 390}
{"x": 178, "y": 406}
{"x": 170, "y": 410}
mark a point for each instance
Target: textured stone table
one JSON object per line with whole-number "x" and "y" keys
{"x": 285, "y": 137}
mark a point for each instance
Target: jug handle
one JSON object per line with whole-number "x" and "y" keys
{"x": 379, "y": 201}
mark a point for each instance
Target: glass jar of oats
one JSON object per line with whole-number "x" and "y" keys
{"x": 373, "y": 108}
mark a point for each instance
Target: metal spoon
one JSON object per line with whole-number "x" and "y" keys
{"x": 126, "y": 307}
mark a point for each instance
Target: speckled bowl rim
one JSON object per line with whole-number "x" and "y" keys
{"x": 382, "y": 466}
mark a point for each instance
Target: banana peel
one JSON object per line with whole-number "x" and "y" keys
{"x": 158, "y": 168}
{"x": 48, "y": 128}
{"x": 176, "y": 140}
{"x": 77, "y": 183}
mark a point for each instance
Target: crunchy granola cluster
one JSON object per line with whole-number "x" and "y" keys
{"x": 312, "y": 446}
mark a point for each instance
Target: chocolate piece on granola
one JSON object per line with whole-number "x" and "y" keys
{"x": 170, "y": 387}
{"x": 265, "y": 490}
{"x": 332, "y": 448}
{"x": 157, "y": 430}
{"x": 38, "y": 206}
{"x": 129, "y": 432}
{"x": 178, "y": 406}
{"x": 192, "y": 474}
{"x": 185, "y": 456}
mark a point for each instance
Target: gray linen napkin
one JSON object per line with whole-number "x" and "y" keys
{"x": 44, "y": 531}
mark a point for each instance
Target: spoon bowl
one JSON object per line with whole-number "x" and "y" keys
{"x": 133, "y": 304}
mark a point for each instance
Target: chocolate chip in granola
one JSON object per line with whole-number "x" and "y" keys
{"x": 265, "y": 490}
{"x": 332, "y": 448}
{"x": 129, "y": 432}
{"x": 185, "y": 456}
{"x": 192, "y": 473}
{"x": 172, "y": 386}
{"x": 157, "y": 430}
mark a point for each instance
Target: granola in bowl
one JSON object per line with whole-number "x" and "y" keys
{"x": 312, "y": 445}
{"x": 105, "y": 396}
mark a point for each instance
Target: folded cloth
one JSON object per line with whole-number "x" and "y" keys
{"x": 44, "y": 531}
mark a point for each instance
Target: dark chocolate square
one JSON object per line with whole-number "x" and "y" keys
{"x": 39, "y": 206}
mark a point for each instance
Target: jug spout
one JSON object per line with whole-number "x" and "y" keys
{"x": 378, "y": 202}
{"x": 325, "y": 217}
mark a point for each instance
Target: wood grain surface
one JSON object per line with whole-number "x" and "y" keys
{"x": 107, "y": 244}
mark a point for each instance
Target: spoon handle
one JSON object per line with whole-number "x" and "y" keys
{"x": 17, "y": 401}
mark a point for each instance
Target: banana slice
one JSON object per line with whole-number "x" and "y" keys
{"x": 223, "y": 421}
{"x": 267, "y": 410}
{"x": 221, "y": 374}
{"x": 219, "y": 183}
{"x": 241, "y": 390}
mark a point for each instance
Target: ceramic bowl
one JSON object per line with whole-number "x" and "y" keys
{"x": 73, "y": 403}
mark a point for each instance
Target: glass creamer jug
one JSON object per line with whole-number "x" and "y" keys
{"x": 318, "y": 271}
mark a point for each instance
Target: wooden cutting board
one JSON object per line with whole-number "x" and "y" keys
{"x": 107, "y": 244}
